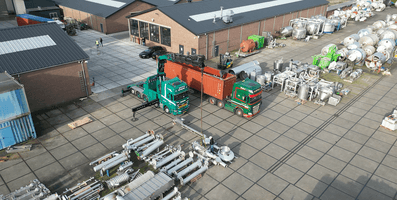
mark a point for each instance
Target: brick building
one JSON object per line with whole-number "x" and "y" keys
{"x": 49, "y": 64}
{"x": 191, "y": 27}
{"x": 107, "y": 16}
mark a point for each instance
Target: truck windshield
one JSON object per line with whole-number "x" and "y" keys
{"x": 180, "y": 96}
{"x": 255, "y": 99}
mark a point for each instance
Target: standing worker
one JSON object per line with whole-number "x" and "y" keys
{"x": 212, "y": 144}
{"x": 101, "y": 41}
{"x": 97, "y": 44}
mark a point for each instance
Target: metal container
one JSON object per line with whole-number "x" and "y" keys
{"x": 388, "y": 34}
{"x": 375, "y": 61}
{"x": 278, "y": 65}
{"x": 364, "y": 32}
{"x": 325, "y": 93}
{"x": 303, "y": 92}
{"x": 387, "y": 43}
{"x": 356, "y": 55}
{"x": 387, "y": 52}
{"x": 379, "y": 24}
{"x": 261, "y": 79}
{"x": 313, "y": 28}
{"x": 136, "y": 183}
{"x": 370, "y": 39}
{"x": 380, "y": 31}
{"x": 325, "y": 49}
{"x": 286, "y": 31}
{"x": 354, "y": 45}
{"x": 350, "y": 39}
{"x": 393, "y": 26}
{"x": 268, "y": 76}
{"x": 16, "y": 124}
{"x": 118, "y": 180}
{"x": 328, "y": 27}
{"x": 252, "y": 66}
{"x": 369, "y": 50}
{"x": 299, "y": 33}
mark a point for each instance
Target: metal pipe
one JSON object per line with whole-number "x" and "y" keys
{"x": 202, "y": 169}
{"x": 175, "y": 162}
{"x": 171, "y": 194}
{"x": 84, "y": 79}
{"x": 146, "y": 140}
{"x": 180, "y": 165}
{"x": 166, "y": 159}
{"x": 132, "y": 141}
{"x": 103, "y": 164}
{"x": 151, "y": 148}
{"x": 85, "y": 192}
{"x": 103, "y": 157}
{"x": 179, "y": 121}
{"x": 188, "y": 169}
{"x": 146, "y": 145}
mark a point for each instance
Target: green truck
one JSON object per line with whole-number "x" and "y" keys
{"x": 243, "y": 98}
{"x": 170, "y": 95}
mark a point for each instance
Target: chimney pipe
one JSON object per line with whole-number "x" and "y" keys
{"x": 221, "y": 12}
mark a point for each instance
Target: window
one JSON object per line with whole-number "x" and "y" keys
{"x": 134, "y": 27}
{"x": 165, "y": 36}
{"x": 194, "y": 51}
{"x": 144, "y": 29}
{"x": 154, "y": 33}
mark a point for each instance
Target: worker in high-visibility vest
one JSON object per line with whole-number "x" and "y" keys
{"x": 97, "y": 43}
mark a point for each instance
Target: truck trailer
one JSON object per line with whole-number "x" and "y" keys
{"x": 242, "y": 98}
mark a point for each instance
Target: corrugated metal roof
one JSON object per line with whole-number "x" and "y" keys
{"x": 104, "y": 10}
{"x": 35, "y": 18}
{"x": 32, "y": 59}
{"x": 7, "y": 83}
{"x": 35, "y": 3}
{"x": 341, "y": 5}
{"x": 248, "y": 12}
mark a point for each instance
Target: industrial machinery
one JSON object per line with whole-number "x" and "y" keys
{"x": 225, "y": 61}
{"x": 34, "y": 191}
{"x": 328, "y": 55}
{"x": 88, "y": 189}
{"x": 246, "y": 98}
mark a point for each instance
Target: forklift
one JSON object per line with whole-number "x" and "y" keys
{"x": 225, "y": 61}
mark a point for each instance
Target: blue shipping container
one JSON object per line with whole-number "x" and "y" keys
{"x": 13, "y": 104}
{"x": 35, "y": 18}
{"x": 16, "y": 131}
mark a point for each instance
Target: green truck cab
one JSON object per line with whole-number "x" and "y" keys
{"x": 170, "y": 95}
{"x": 246, "y": 98}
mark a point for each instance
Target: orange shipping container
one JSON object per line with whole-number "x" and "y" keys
{"x": 213, "y": 84}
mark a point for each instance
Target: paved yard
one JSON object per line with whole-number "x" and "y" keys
{"x": 288, "y": 151}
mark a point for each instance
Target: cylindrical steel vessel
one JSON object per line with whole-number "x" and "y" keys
{"x": 370, "y": 39}
{"x": 369, "y": 50}
{"x": 388, "y": 34}
{"x": 299, "y": 33}
{"x": 118, "y": 180}
{"x": 352, "y": 38}
{"x": 356, "y": 55}
{"x": 261, "y": 79}
{"x": 278, "y": 65}
{"x": 364, "y": 32}
{"x": 388, "y": 43}
{"x": 325, "y": 49}
{"x": 328, "y": 27}
{"x": 354, "y": 45}
{"x": 303, "y": 92}
{"x": 286, "y": 31}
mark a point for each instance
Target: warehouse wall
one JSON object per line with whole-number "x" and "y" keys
{"x": 49, "y": 87}
{"x": 117, "y": 22}
{"x": 92, "y": 20}
{"x": 230, "y": 39}
{"x": 179, "y": 35}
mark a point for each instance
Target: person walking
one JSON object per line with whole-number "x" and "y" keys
{"x": 101, "y": 41}
{"x": 143, "y": 41}
{"x": 97, "y": 44}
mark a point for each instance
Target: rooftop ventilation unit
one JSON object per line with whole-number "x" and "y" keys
{"x": 227, "y": 18}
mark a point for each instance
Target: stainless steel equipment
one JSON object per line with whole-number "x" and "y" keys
{"x": 299, "y": 33}
{"x": 370, "y": 39}
{"x": 375, "y": 61}
{"x": 350, "y": 39}
{"x": 278, "y": 65}
{"x": 286, "y": 31}
{"x": 303, "y": 92}
{"x": 356, "y": 55}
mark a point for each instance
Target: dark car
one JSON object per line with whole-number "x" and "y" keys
{"x": 158, "y": 53}
{"x": 148, "y": 53}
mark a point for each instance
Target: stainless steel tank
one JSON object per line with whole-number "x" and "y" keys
{"x": 393, "y": 26}
{"x": 342, "y": 52}
{"x": 303, "y": 92}
{"x": 379, "y": 24}
{"x": 375, "y": 61}
{"x": 364, "y": 32}
{"x": 388, "y": 34}
{"x": 268, "y": 76}
{"x": 369, "y": 50}
{"x": 354, "y": 45}
{"x": 388, "y": 43}
{"x": 387, "y": 52}
{"x": 380, "y": 31}
{"x": 356, "y": 55}
{"x": 312, "y": 28}
{"x": 299, "y": 33}
{"x": 325, "y": 49}
{"x": 350, "y": 39}
{"x": 286, "y": 31}
{"x": 370, "y": 39}
{"x": 118, "y": 180}
{"x": 261, "y": 79}
{"x": 328, "y": 27}
{"x": 278, "y": 65}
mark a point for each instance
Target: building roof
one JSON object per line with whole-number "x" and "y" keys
{"x": 35, "y": 3}
{"x": 198, "y": 17}
{"x": 341, "y": 5}
{"x": 106, "y": 8}
{"x": 33, "y": 47}
{"x": 7, "y": 83}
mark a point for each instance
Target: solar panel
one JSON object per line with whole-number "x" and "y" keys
{"x": 111, "y": 3}
{"x": 242, "y": 9}
{"x": 24, "y": 44}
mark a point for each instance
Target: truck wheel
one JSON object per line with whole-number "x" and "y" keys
{"x": 139, "y": 95}
{"x": 212, "y": 101}
{"x": 166, "y": 110}
{"x": 243, "y": 75}
{"x": 239, "y": 112}
{"x": 221, "y": 104}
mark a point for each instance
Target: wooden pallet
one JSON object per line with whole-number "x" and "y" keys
{"x": 385, "y": 127}
{"x": 79, "y": 123}
{"x": 195, "y": 178}
{"x": 301, "y": 101}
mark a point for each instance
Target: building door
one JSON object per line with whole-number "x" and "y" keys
{"x": 7, "y": 137}
{"x": 3, "y": 8}
{"x": 101, "y": 27}
{"x": 216, "y": 50}
{"x": 181, "y": 51}
{"x": 194, "y": 51}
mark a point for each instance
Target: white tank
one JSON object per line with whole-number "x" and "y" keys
{"x": 388, "y": 34}
{"x": 379, "y": 24}
{"x": 369, "y": 50}
{"x": 261, "y": 79}
{"x": 387, "y": 52}
{"x": 312, "y": 28}
{"x": 364, "y": 32}
{"x": 356, "y": 55}
{"x": 299, "y": 33}
{"x": 286, "y": 31}
{"x": 393, "y": 26}
{"x": 380, "y": 31}
{"x": 354, "y": 45}
{"x": 342, "y": 52}
{"x": 350, "y": 39}
{"x": 375, "y": 61}
{"x": 388, "y": 43}
{"x": 325, "y": 49}
{"x": 370, "y": 39}
{"x": 328, "y": 27}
